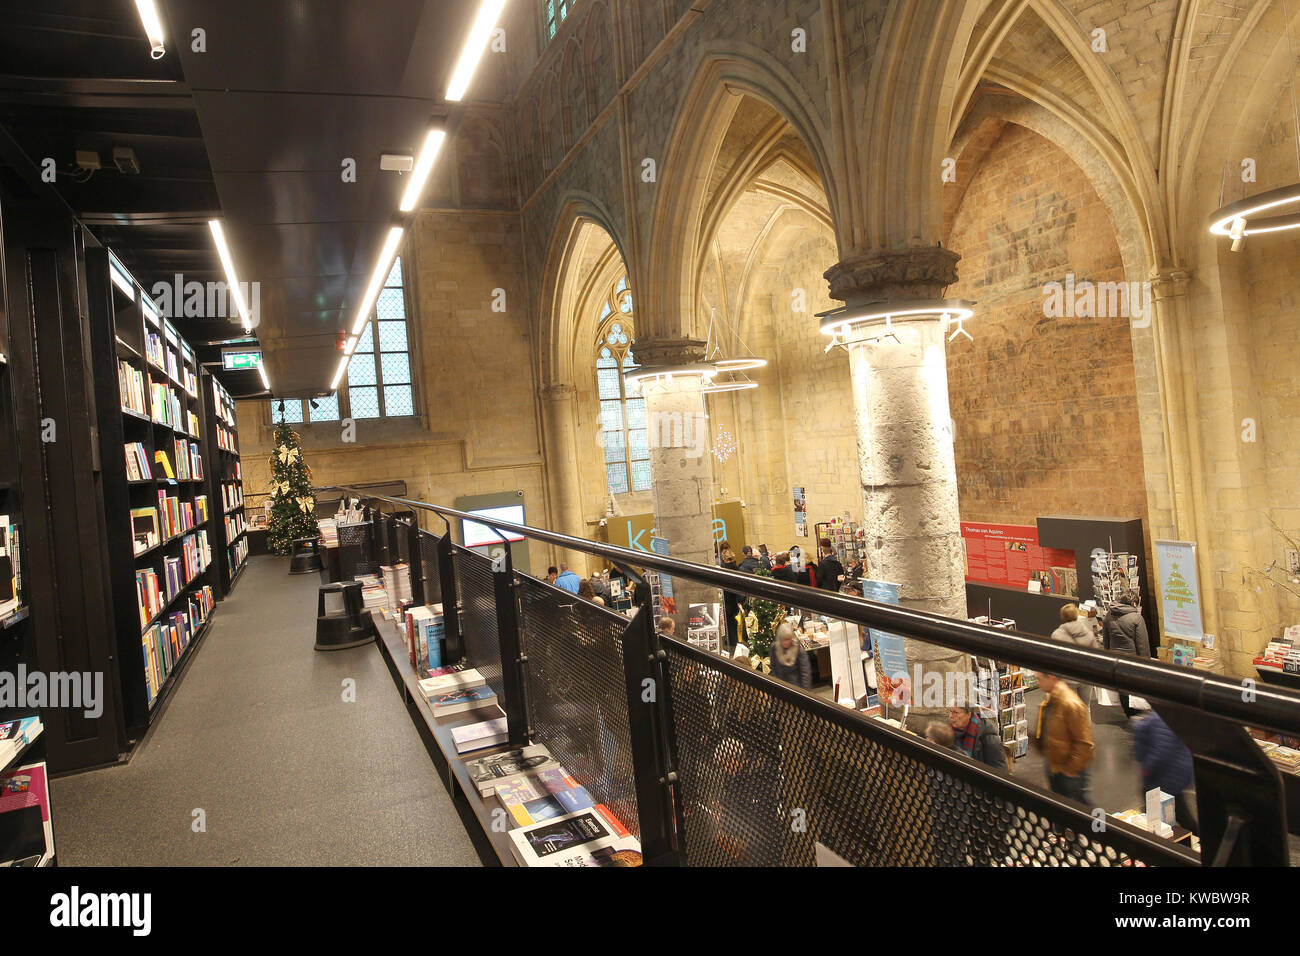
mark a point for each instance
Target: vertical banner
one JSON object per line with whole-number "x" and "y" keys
{"x": 888, "y": 651}
{"x": 667, "y": 603}
{"x": 1180, "y": 589}
{"x": 800, "y": 513}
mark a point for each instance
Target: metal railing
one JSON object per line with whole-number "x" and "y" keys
{"x": 727, "y": 765}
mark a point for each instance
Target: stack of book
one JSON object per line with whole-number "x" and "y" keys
{"x": 17, "y": 734}
{"x": 397, "y": 582}
{"x": 485, "y": 733}
{"x": 373, "y": 595}
{"x": 329, "y": 532}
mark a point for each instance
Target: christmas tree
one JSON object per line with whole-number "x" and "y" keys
{"x": 292, "y": 504}
{"x": 1176, "y": 589}
{"x": 766, "y": 615}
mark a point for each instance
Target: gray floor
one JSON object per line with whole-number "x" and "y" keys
{"x": 258, "y": 736}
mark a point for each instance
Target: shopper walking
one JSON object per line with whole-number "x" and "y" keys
{"x": 1063, "y": 733}
{"x": 551, "y": 574}
{"x": 789, "y": 660}
{"x": 585, "y": 590}
{"x": 749, "y": 564}
{"x": 567, "y": 580}
{"x": 1124, "y": 630}
{"x": 1079, "y": 632}
{"x": 977, "y": 738}
{"x": 1166, "y": 763}
{"x": 830, "y": 572}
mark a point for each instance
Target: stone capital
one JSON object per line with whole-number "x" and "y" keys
{"x": 919, "y": 273}
{"x": 1170, "y": 283}
{"x": 558, "y": 392}
{"x": 666, "y": 351}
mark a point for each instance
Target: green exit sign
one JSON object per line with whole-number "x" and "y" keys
{"x": 238, "y": 361}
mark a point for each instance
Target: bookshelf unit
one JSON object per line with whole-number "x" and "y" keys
{"x": 155, "y": 461}
{"x": 226, "y": 487}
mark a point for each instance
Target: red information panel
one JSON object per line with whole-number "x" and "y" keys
{"x": 1009, "y": 554}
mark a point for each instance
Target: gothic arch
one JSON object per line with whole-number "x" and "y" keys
{"x": 703, "y": 118}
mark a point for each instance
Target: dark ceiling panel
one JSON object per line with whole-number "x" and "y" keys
{"x": 379, "y": 48}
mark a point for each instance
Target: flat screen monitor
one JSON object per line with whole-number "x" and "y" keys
{"x": 477, "y": 535}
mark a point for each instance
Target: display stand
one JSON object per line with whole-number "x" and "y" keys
{"x": 158, "y": 510}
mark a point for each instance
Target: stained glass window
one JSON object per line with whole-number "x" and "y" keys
{"x": 622, "y": 411}
{"x": 292, "y": 411}
{"x": 554, "y": 12}
{"x": 379, "y": 375}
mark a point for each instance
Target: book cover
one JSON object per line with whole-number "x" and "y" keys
{"x": 460, "y": 701}
{"x": 535, "y": 811}
{"x": 517, "y": 789}
{"x": 591, "y": 837}
{"x": 485, "y": 733}
{"x": 574, "y": 798}
{"x": 486, "y": 771}
{"x": 440, "y": 684}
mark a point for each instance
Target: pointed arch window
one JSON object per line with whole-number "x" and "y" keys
{"x": 622, "y": 415}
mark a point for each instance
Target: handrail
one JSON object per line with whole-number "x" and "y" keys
{"x": 1245, "y": 701}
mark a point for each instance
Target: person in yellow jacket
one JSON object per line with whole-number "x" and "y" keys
{"x": 1063, "y": 732}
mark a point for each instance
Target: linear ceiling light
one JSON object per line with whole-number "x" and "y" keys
{"x": 223, "y": 250}
{"x": 338, "y": 374}
{"x": 261, "y": 368}
{"x": 377, "y": 278}
{"x": 152, "y": 27}
{"x": 479, "y": 35}
{"x": 432, "y": 143}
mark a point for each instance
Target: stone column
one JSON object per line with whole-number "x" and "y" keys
{"x": 562, "y": 481}
{"x": 681, "y": 468}
{"x": 905, "y": 450}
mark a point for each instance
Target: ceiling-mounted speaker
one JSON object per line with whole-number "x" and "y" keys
{"x": 125, "y": 161}
{"x": 396, "y": 163}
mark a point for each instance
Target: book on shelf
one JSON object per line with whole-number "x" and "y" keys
{"x": 161, "y": 458}
{"x": 131, "y": 384}
{"x": 464, "y": 700}
{"x": 485, "y": 772}
{"x": 485, "y": 733}
{"x": 28, "y": 834}
{"x": 144, "y": 529}
{"x": 137, "y": 462}
{"x": 148, "y": 595}
{"x": 432, "y": 687}
{"x": 11, "y": 578}
{"x": 590, "y": 837}
{"x": 17, "y": 734}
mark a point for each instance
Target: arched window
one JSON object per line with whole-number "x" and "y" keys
{"x": 622, "y": 416}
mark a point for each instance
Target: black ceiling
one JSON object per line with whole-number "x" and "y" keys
{"x": 254, "y": 129}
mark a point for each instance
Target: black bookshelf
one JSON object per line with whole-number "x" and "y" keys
{"x": 226, "y": 485}
{"x": 161, "y": 521}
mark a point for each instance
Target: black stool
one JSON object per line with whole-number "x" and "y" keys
{"x": 304, "y": 558}
{"x": 341, "y": 621}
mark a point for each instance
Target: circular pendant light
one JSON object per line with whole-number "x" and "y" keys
{"x": 1242, "y": 218}
{"x": 842, "y": 321}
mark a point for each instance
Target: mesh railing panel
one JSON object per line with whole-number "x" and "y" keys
{"x": 429, "y": 564}
{"x": 577, "y": 694}
{"x": 478, "y": 617}
{"x": 765, "y": 774}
